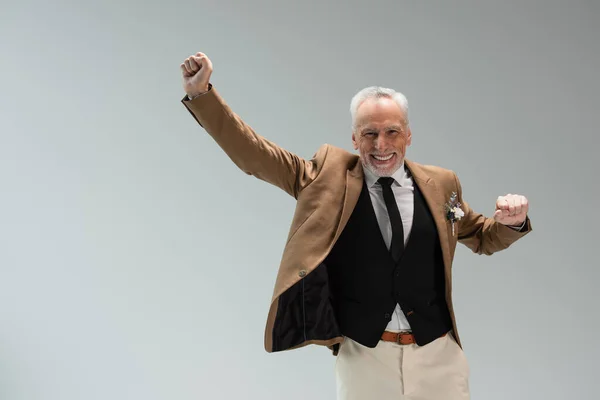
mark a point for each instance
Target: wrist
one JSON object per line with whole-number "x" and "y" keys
{"x": 518, "y": 226}
{"x": 192, "y": 95}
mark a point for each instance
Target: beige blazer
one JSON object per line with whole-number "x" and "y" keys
{"x": 327, "y": 188}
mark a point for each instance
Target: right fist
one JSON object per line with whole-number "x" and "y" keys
{"x": 196, "y": 72}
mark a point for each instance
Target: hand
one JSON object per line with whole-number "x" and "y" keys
{"x": 511, "y": 209}
{"x": 196, "y": 71}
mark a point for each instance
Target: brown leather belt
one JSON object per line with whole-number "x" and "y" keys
{"x": 400, "y": 337}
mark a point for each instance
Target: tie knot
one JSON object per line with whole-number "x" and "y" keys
{"x": 386, "y": 181}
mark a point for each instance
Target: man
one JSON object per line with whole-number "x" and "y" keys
{"x": 366, "y": 269}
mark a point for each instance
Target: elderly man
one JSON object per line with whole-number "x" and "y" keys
{"x": 367, "y": 266}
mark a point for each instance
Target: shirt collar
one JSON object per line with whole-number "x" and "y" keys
{"x": 400, "y": 176}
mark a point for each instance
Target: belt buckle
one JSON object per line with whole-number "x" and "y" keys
{"x": 399, "y": 337}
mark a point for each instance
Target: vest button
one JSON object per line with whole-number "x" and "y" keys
{"x": 387, "y": 316}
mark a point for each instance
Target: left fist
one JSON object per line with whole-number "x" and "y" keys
{"x": 511, "y": 209}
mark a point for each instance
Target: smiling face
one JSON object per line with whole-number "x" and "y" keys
{"x": 381, "y": 135}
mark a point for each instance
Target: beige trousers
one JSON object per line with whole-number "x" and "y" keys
{"x": 390, "y": 371}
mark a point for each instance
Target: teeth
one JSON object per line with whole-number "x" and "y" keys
{"x": 380, "y": 158}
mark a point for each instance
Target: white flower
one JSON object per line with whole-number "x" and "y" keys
{"x": 458, "y": 213}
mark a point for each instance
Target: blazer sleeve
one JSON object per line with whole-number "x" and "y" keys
{"x": 484, "y": 235}
{"x": 251, "y": 152}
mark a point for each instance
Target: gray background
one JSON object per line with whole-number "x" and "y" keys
{"x": 137, "y": 262}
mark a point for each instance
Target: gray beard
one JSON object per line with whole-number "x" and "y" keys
{"x": 378, "y": 173}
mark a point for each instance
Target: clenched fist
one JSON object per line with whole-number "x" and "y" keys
{"x": 196, "y": 71}
{"x": 511, "y": 209}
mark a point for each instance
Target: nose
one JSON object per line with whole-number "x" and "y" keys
{"x": 381, "y": 142}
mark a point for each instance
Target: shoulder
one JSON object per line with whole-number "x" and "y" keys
{"x": 330, "y": 154}
{"x": 444, "y": 177}
{"x": 433, "y": 171}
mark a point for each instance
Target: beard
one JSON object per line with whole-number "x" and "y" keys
{"x": 382, "y": 169}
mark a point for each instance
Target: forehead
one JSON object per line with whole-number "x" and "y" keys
{"x": 381, "y": 111}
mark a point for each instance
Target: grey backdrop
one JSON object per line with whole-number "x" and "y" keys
{"x": 137, "y": 262}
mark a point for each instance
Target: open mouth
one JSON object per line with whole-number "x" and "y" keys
{"x": 383, "y": 159}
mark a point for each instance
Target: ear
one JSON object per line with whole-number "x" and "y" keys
{"x": 409, "y": 139}
{"x": 354, "y": 141}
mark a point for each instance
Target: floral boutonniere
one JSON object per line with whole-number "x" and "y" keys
{"x": 453, "y": 211}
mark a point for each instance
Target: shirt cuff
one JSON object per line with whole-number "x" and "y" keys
{"x": 187, "y": 96}
{"x": 518, "y": 228}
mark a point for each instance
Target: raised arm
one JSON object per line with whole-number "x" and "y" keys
{"x": 251, "y": 152}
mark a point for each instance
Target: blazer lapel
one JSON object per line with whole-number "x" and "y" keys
{"x": 435, "y": 200}
{"x": 354, "y": 182}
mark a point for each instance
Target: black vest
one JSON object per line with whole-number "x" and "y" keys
{"x": 366, "y": 284}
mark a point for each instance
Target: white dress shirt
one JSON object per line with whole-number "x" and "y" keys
{"x": 404, "y": 194}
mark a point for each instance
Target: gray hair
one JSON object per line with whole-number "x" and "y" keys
{"x": 376, "y": 92}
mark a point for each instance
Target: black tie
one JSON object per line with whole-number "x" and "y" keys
{"x": 397, "y": 244}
